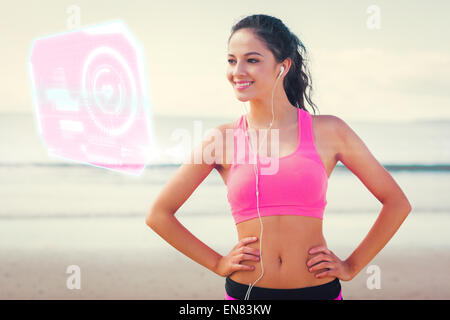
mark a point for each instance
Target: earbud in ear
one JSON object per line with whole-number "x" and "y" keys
{"x": 281, "y": 70}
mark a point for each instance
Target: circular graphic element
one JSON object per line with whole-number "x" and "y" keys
{"x": 107, "y": 93}
{"x": 104, "y": 90}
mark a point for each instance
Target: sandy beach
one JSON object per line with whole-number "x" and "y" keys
{"x": 136, "y": 275}
{"x": 127, "y": 260}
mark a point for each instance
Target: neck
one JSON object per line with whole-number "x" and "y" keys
{"x": 284, "y": 113}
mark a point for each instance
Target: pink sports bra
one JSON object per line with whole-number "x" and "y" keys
{"x": 298, "y": 187}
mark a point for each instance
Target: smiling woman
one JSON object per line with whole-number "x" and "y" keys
{"x": 292, "y": 260}
{"x": 257, "y": 45}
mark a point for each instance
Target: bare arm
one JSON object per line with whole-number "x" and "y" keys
{"x": 354, "y": 154}
{"x": 161, "y": 217}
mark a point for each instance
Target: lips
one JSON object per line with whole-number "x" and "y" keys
{"x": 243, "y": 84}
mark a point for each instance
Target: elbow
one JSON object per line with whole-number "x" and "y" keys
{"x": 407, "y": 206}
{"x": 150, "y": 220}
{"x": 153, "y": 218}
{"x": 402, "y": 205}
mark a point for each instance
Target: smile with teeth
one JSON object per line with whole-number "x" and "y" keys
{"x": 244, "y": 85}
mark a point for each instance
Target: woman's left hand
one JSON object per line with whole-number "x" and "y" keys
{"x": 326, "y": 259}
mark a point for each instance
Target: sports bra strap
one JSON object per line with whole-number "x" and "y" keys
{"x": 306, "y": 130}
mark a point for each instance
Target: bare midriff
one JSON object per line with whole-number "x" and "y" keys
{"x": 286, "y": 241}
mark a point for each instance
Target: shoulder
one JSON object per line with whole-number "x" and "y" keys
{"x": 332, "y": 132}
{"x": 328, "y": 119}
{"x": 330, "y": 123}
{"x": 229, "y": 125}
{"x": 218, "y": 133}
{"x": 224, "y": 126}
{"x": 325, "y": 119}
{"x": 327, "y": 126}
{"x": 345, "y": 139}
{"x": 218, "y": 137}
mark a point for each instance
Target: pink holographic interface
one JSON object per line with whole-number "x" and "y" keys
{"x": 91, "y": 97}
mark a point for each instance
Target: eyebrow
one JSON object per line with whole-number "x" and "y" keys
{"x": 248, "y": 53}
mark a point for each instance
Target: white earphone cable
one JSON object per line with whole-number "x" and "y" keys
{"x": 255, "y": 169}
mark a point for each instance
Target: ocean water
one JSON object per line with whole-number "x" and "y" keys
{"x": 34, "y": 184}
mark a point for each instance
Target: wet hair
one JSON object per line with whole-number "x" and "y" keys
{"x": 283, "y": 44}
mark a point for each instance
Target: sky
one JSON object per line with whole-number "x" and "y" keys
{"x": 397, "y": 72}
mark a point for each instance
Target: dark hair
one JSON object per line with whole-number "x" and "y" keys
{"x": 283, "y": 44}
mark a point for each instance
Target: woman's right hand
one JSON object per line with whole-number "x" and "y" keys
{"x": 232, "y": 261}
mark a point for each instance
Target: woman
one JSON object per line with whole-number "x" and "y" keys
{"x": 291, "y": 260}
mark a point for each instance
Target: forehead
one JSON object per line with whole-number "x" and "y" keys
{"x": 244, "y": 40}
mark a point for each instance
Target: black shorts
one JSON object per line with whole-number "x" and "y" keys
{"x": 327, "y": 291}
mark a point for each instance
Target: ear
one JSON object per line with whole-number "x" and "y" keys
{"x": 287, "y": 63}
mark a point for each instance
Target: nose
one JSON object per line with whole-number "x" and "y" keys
{"x": 239, "y": 69}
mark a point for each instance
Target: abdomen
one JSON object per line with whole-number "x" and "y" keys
{"x": 286, "y": 241}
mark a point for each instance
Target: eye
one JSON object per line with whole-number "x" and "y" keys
{"x": 229, "y": 60}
